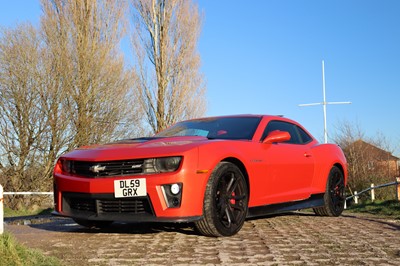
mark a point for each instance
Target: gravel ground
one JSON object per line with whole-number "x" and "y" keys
{"x": 291, "y": 239}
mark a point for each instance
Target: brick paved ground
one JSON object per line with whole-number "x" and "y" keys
{"x": 293, "y": 239}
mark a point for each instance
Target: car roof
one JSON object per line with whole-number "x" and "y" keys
{"x": 266, "y": 117}
{"x": 241, "y": 115}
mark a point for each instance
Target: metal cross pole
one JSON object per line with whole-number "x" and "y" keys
{"x": 1, "y": 211}
{"x": 324, "y": 103}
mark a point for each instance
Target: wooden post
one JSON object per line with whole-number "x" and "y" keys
{"x": 355, "y": 197}
{"x": 398, "y": 188}
{"x": 1, "y": 210}
{"x": 372, "y": 192}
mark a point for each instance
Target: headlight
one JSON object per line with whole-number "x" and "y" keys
{"x": 167, "y": 164}
{"x": 66, "y": 166}
{"x": 162, "y": 165}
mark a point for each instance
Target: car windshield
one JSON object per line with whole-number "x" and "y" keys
{"x": 215, "y": 128}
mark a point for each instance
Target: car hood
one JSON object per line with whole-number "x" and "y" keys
{"x": 137, "y": 148}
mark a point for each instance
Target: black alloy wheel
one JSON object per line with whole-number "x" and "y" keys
{"x": 225, "y": 202}
{"x": 334, "y": 197}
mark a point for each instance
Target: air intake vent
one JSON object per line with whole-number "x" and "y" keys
{"x": 105, "y": 204}
{"x": 136, "y": 206}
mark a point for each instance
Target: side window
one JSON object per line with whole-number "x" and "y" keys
{"x": 305, "y": 138}
{"x": 283, "y": 126}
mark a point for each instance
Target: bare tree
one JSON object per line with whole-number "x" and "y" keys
{"x": 165, "y": 35}
{"x": 61, "y": 86}
{"x": 22, "y": 120}
{"x": 83, "y": 37}
{"x": 369, "y": 159}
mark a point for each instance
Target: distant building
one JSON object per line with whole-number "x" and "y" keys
{"x": 376, "y": 159}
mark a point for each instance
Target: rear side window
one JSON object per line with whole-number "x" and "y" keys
{"x": 305, "y": 138}
{"x": 297, "y": 134}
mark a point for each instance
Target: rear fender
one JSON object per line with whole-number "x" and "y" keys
{"x": 327, "y": 156}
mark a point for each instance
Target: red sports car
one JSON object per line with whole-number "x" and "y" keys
{"x": 214, "y": 172}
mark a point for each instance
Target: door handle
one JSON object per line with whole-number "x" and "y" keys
{"x": 306, "y": 154}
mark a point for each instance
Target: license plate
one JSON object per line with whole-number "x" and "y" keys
{"x": 130, "y": 188}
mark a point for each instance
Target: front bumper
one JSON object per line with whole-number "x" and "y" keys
{"x": 104, "y": 207}
{"x": 93, "y": 198}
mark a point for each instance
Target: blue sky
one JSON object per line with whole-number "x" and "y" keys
{"x": 265, "y": 57}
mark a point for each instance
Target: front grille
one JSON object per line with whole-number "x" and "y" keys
{"x": 80, "y": 204}
{"x": 107, "y": 168}
{"x": 123, "y": 206}
{"x": 105, "y": 204}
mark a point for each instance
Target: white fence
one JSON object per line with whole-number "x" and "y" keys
{"x": 356, "y": 194}
{"x": 2, "y": 193}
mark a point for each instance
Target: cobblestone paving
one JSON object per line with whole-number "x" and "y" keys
{"x": 291, "y": 239}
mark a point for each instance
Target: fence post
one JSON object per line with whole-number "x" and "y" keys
{"x": 355, "y": 197}
{"x": 1, "y": 210}
{"x": 372, "y": 192}
{"x": 398, "y": 188}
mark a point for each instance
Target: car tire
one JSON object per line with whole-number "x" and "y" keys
{"x": 225, "y": 202}
{"x": 93, "y": 224}
{"x": 334, "y": 196}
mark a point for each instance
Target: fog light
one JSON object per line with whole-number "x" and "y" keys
{"x": 175, "y": 202}
{"x": 175, "y": 189}
{"x": 172, "y": 194}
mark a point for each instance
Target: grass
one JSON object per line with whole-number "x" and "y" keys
{"x": 14, "y": 254}
{"x": 25, "y": 212}
{"x": 385, "y": 208}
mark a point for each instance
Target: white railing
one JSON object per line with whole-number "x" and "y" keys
{"x": 2, "y": 193}
{"x": 1, "y": 210}
{"x": 356, "y": 194}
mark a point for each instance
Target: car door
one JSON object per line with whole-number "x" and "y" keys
{"x": 288, "y": 166}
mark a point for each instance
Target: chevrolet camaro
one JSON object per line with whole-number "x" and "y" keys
{"x": 213, "y": 172}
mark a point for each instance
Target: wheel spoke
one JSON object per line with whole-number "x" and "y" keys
{"x": 336, "y": 195}
{"x": 238, "y": 197}
{"x": 232, "y": 179}
{"x": 238, "y": 207}
{"x": 339, "y": 182}
{"x": 229, "y": 201}
{"x": 234, "y": 186}
{"x": 221, "y": 207}
{"x": 228, "y": 216}
{"x": 336, "y": 191}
